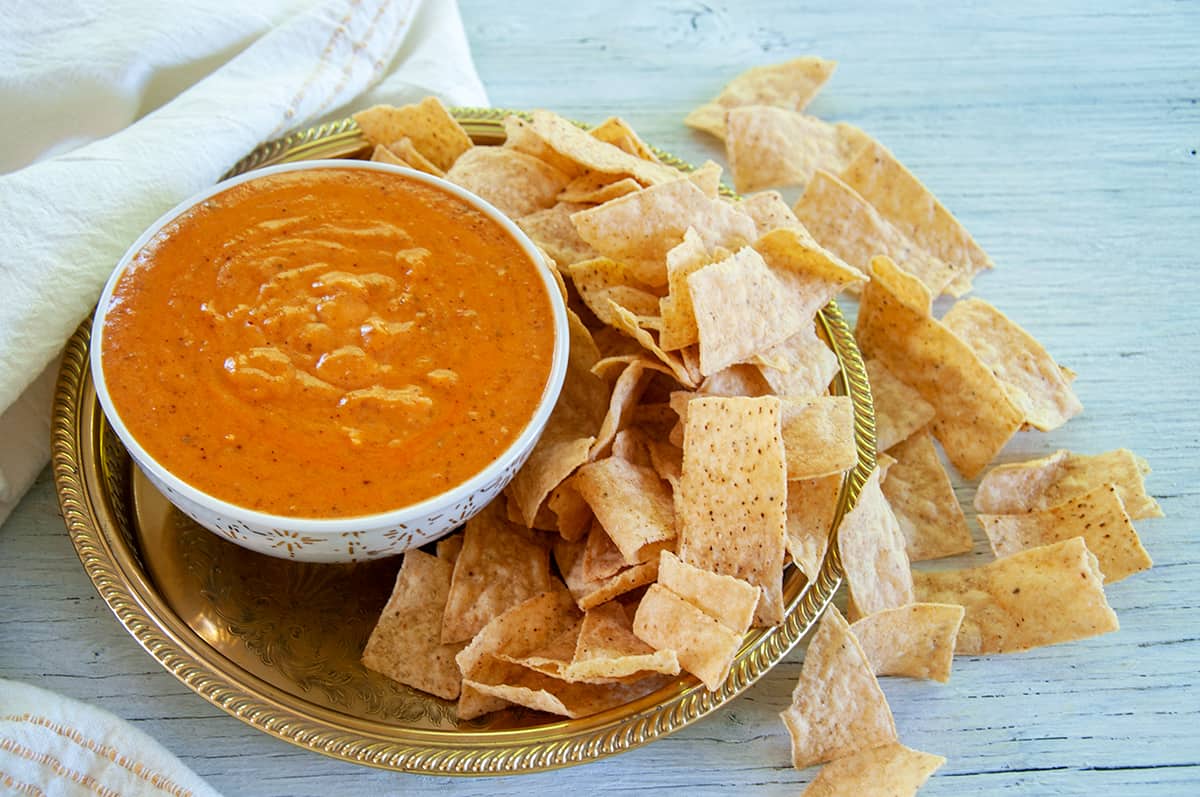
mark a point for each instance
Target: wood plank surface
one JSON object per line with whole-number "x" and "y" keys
{"x": 1065, "y": 136}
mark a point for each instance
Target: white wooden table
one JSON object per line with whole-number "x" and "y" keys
{"x": 1066, "y": 137}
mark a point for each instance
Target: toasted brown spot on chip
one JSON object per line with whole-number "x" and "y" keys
{"x": 1041, "y": 596}
{"x": 1097, "y": 516}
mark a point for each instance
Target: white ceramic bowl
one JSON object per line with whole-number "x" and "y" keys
{"x": 354, "y": 538}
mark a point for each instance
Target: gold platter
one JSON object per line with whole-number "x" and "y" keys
{"x": 276, "y": 643}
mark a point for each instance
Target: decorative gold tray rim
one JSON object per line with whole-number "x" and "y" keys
{"x": 115, "y": 569}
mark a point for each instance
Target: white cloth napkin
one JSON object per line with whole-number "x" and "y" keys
{"x": 115, "y": 112}
{"x": 50, "y": 744}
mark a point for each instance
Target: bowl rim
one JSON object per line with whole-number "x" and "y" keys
{"x": 525, "y": 441}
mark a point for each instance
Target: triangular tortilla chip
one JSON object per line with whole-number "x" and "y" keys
{"x": 728, "y": 600}
{"x": 975, "y": 416}
{"x": 596, "y": 188}
{"x": 846, "y": 224}
{"x": 733, "y": 495}
{"x": 405, "y": 644}
{"x": 430, "y": 127}
{"x": 635, "y": 326}
{"x": 802, "y": 365}
{"x": 770, "y": 147}
{"x": 813, "y": 274}
{"x": 592, "y": 153}
{"x": 1049, "y": 481}
{"x": 919, "y": 491}
{"x": 872, "y": 549}
{"x": 811, "y": 506}
{"x": 631, "y": 502}
{"x": 893, "y": 770}
{"x": 1037, "y": 597}
{"x": 900, "y": 411}
{"x": 516, "y": 183}
{"x": 837, "y": 706}
{"x": 589, "y": 593}
{"x": 818, "y": 436}
{"x": 640, "y": 228}
{"x": 608, "y": 649}
{"x": 913, "y": 641}
{"x": 405, "y": 148}
{"x": 769, "y": 211}
{"x": 600, "y": 279}
{"x": 500, "y": 565}
{"x": 616, "y": 131}
{"x": 601, "y": 557}
{"x": 791, "y": 84}
{"x": 1097, "y": 516}
{"x": 1034, "y": 381}
{"x": 704, "y": 647}
{"x": 741, "y": 308}
{"x": 520, "y": 135}
{"x": 910, "y": 207}
{"x": 552, "y": 230}
{"x": 678, "y": 315}
{"x": 627, "y": 391}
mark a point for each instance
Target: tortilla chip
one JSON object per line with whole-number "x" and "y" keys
{"x": 900, "y": 412}
{"x": 678, "y": 315}
{"x": 741, "y": 308}
{"x": 631, "y": 502}
{"x": 837, "y": 706}
{"x": 552, "y": 230}
{"x": 733, "y": 495}
{"x": 801, "y": 365}
{"x": 516, "y": 183}
{"x": 521, "y": 630}
{"x": 1041, "y": 596}
{"x": 427, "y": 124}
{"x": 589, "y": 593}
{"x": 1042, "y": 483}
{"x": 541, "y": 692}
{"x": 769, "y": 147}
{"x": 640, "y": 228}
{"x": 919, "y": 491}
{"x": 552, "y": 658}
{"x": 626, "y": 393}
{"x": 791, "y": 84}
{"x": 1033, "y": 380}
{"x": 405, "y": 644}
{"x": 573, "y": 515}
{"x": 911, "y": 641}
{"x": 448, "y": 548}
{"x": 501, "y": 564}
{"x": 846, "y": 224}
{"x": 608, "y": 649}
{"x": 818, "y": 436}
{"x": 632, "y": 325}
{"x": 911, "y": 208}
{"x": 598, "y": 156}
{"x": 630, "y": 445}
{"x": 974, "y": 415}
{"x": 616, "y": 131}
{"x": 813, "y": 274}
{"x": 769, "y": 212}
{"x": 596, "y": 188}
{"x": 1097, "y": 516}
{"x": 667, "y": 460}
{"x": 707, "y": 178}
{"x": 600, "y": 279}
{"x": 872, "y": 549}
{"x": 704, "y": 647}
{"x": 520, "y": 135}
{"x": 405, "y": 148}
{"x": 893, "y": 770}
{"x": 736, "y": 380}
{"x": 382, "y": 154}
{"x": 728, "y": 600}
{"x": 811, "y": 506}
{"x": 601, "y": 557}
{"x": 572, "y": 427}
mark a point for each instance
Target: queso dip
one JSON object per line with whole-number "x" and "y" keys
{"x": 328, "y": 343}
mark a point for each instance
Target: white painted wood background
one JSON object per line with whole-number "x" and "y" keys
{"x": 1065, "y": 135}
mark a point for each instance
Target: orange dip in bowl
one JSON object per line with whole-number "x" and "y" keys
{"x": 328, "y": 343}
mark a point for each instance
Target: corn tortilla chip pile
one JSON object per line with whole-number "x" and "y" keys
{"x": 695, "y": 451}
